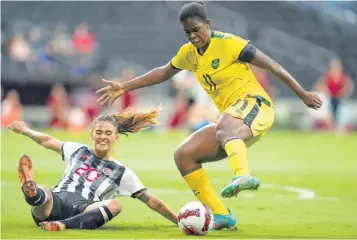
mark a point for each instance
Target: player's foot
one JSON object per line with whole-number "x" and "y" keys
{"x": 26, "y": 176}
{"x": 52, "y": 226}
{"x": 240, "y": 183}
{"x": 224, "y": 221}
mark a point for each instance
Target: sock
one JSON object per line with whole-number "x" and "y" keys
{"x": 37, "y": 200}
{"x": 237, "y": 155}
{"x": 203, "y": 190}
{"x": 89, "y": 220}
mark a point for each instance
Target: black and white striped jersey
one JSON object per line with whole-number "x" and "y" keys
{"x": 93, "y": 178}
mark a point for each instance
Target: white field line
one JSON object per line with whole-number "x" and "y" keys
{"x": 301, "y": 193}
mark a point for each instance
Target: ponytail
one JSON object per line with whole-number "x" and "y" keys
{"x": 130, "y": 120}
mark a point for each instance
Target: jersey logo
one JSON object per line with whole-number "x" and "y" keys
{"x": 107, "y": 171}
{"x": 215, "y": 63}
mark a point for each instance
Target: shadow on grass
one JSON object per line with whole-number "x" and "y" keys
{"x": 136, "y": 228}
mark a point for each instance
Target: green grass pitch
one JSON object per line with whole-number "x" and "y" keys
{"x": 309, "y": 187}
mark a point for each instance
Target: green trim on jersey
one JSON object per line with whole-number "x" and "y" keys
{"x": 221, "y": 35}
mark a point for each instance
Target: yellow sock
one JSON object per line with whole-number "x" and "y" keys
{"x": 203, "y": 190}
{"x": 237, "y": 155}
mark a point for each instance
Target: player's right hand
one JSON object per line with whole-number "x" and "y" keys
{"x": 18, "y": 126}
{"x": 312, "y": 100}
{"x": 111, "y": 92}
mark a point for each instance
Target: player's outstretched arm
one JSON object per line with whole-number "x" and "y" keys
{"x": 116, "y": 89}
{"x": 263, "y": 61}
{"x": 157, "y": 205}
{"x": 44, "y": 140}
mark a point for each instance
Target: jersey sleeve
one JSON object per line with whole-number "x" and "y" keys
{"x": 182, "y": 59}
{"x": 237, "y": 44}
{"x": 68, "y": 148}
{"x": 130, "y": 184}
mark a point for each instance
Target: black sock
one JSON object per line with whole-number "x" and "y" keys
{"x": 37, "y": 200}
{"x": 89, "y": 220}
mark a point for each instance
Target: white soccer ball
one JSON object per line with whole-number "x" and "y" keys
{"x": 195, "y": 218}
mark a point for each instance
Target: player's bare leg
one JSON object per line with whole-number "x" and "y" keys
{"x": 94, "y": 216}
{"x": 40, "y": 198}
{"x": 232, "y": 133}
{"x": 202, "y": 147}
{"x": 199, "y": 147}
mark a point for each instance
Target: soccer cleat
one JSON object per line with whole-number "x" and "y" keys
{"x": 26, "y": 176}
{"x": 52, "y": 226}
{"x": 240, "y": 183}
{"x": 224, "y": 221}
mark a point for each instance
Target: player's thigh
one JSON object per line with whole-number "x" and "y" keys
{"x": 201, "y": 146}
{"x": 257, "y": 114}
{"x": 230, "y": 127}
{"x": 96, "y": 205}
{"x": 68, "y": 204}
{"x": 113, "y": 205}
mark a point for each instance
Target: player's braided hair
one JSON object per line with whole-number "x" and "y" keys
{"x": 193, "y": 10}
{"x": 131, "y": 120}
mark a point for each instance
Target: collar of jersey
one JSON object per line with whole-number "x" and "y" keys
{"x": 97, "y": 158}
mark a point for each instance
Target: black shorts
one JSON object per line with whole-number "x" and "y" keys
{"x": 65, "y": 205}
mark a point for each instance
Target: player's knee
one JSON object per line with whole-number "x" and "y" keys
{"x": 179, "y": 157}
{"x": 220, "y": 133}
{"x": 183, "y": 154}
{"x": 115, "y": 207}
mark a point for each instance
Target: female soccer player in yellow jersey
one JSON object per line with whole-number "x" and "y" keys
{"x": 220, "y": 62}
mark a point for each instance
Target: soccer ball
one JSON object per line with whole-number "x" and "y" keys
{"x": 195, "y": 218}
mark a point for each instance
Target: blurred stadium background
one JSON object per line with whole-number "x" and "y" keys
{"x": 54, "y": 55}
{"x": 75, "y": 44}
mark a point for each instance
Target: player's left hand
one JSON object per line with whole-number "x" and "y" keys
{"x": 312, "y": 100}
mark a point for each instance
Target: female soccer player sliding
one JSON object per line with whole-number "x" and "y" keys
{"x": 220, "y": 62}
{"x": 83, "y": 199}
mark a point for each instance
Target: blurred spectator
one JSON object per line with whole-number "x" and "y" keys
{"x": 337, "y": 84}
{"x": 10, "y": 108}
{"x": 86, "y": 100}
{"x": 322, "y": 119}
{"x": 183, "y": 99}
{"x": 61, "y": 43}
{"x": 19, "y": 48}
{"x": 129, "y": 98}
{"x": 202, "y": 111}
{"x": 193, "y": 107}
{"x": 77, "y": 121}
{"x": 40, "y": 52}
{"x": 265, "y": 81}
{"x": 83, "y": 40}
{"x": 58, "y": 106}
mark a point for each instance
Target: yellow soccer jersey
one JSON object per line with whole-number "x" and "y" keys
{"x": 218, "y": 70}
